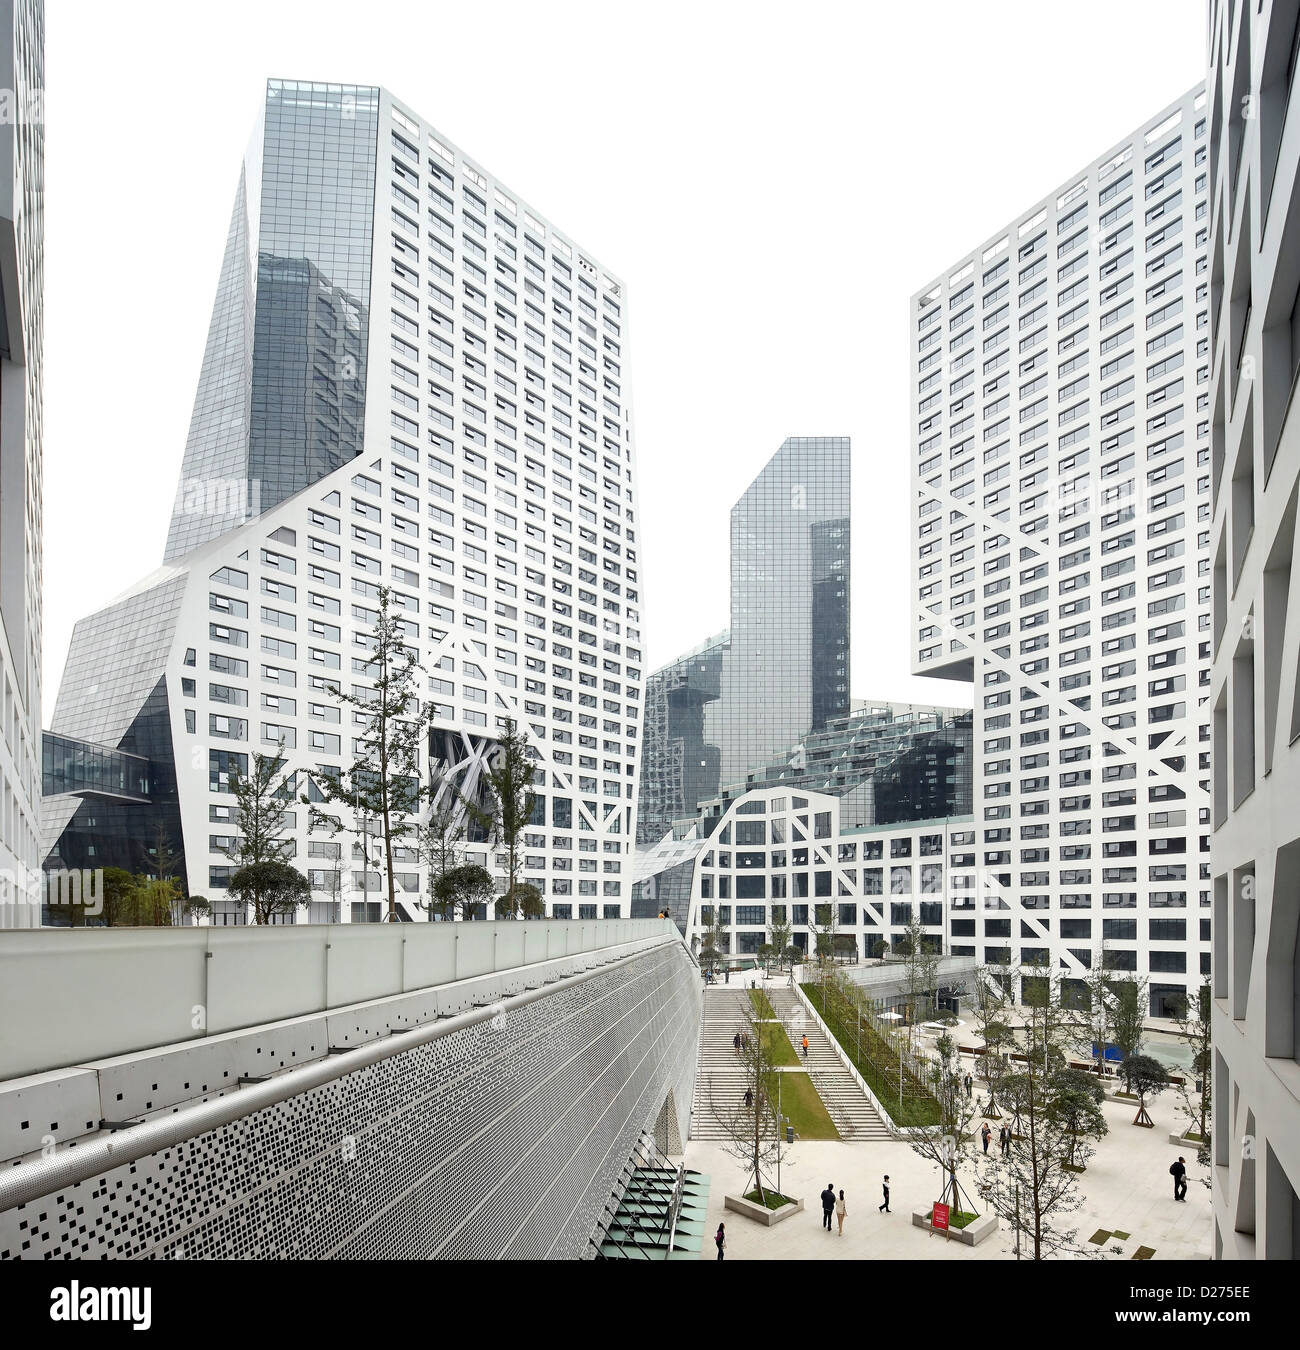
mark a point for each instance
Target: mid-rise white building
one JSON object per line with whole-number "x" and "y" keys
{"x": 412, "y": 380}
{"x": 1062, "y": 519}
{"x": 1254, "y": 140}
{"x": 22, "y": 206}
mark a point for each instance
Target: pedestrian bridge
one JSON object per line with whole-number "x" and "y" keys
{"x": 472, "y": 1090}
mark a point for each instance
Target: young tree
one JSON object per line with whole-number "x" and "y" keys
{"x": 461, "y": 891}
{"x": 779, "y": 939}
{"x": 823, "y": 929}
{"x": 1148, "y": 1078}
{"x": 1074, "y": 1102}
{"x": 523, "y": 899}
{"x": 921, "y": 972}
{"x": 947, "y": 1142}
{"x": 1097, "y": 1024}
{"x": 714, "y": 946}
{"x": 993, "y": 1028}
{"x": 753, "y": 1133}
{"x": 1128, "y": 1019}
{"x": 1033, "y": 1188}
{"x": 262, "y": 798}
{"x": 1050, "y": 1023}
{"x": 161, "y": 858}
{"x": 440, "y": 838}
{"x": 271, "y": 888}
{"x": 383, "y": 780}
{"x": 1193, "y": 1019}
{"x": 511, "y": 801}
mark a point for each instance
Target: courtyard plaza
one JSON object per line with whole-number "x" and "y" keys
{"x": 1126, "y": 1190}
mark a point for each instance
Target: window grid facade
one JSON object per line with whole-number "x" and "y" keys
{"x": 1061, "y": 476}
{"x": 494, "y": 496}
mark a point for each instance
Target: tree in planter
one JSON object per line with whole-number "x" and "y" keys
{"x": 1074, "y": 1101}
{"x": 766, "y": 953}
{"x": 511, "y": 801}
{"x": 753, "y": 1134}
{"x": 272, "y": 888}
{"x": 946, "y": 1143}
{"x": 1033, "y": 1189}
{"x": 1128, "y": 1019}
{"x": 383, "y": 780}
{"x": 1148, "y": 1078}
{"x": 1193, "y": 1019}
{"x": 462, "y": 890}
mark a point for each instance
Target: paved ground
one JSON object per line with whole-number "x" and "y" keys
{"x": 1126, "y": 1187}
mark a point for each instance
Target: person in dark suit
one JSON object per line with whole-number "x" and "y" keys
{"x": 1178, "y": 1171}
{"x": 828, "y": 1205}
{"x": 885, "y": 1189}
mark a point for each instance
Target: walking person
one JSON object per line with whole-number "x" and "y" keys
{"x": 735, "y": 1040}
{"x": 749, "y": 1098}
{"x": 805, "y": 1045}
{"x": 720, "y": 1237}
{"x": 1004, "y": 1140}
{"x": 885, "y": 1189}
{"x": 970, "y": 1087}
{"x": 841, "y": 1210}
{"x": 985, "y": 1135}
{"x": 1178, "y": 1171}
{"x": 828, "y": 1205}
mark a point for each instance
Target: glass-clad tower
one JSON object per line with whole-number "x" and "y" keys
{"x": 282, "y": 389}
{"x": 787, "y": 669}
{"x": 412, "y": 380}
{"x": 782, "y": 670}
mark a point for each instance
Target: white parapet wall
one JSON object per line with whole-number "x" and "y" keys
{"x": 72, "y": 995}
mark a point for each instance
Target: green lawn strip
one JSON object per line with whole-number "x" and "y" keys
{"x": 806, "y": 1110}
{"x": 960, "y": 1218}
{"x": 769, "y": 1199}
{"x": 762, "y": 1008}
{"x": 777, "y": 1044}
{"x": 878, "y": 1065}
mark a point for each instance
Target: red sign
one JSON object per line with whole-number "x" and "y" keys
{"x": 939, "y": 1218}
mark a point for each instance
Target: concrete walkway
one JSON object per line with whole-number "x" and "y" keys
{"x": 1127, "y": 1187}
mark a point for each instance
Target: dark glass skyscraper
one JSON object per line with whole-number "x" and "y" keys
{"x": 782, "y": 671}
{"x": 787, "y": 669}
{"x": 281, "y": 395}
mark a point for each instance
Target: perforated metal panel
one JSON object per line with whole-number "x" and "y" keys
{"x": 496, "y": 1142}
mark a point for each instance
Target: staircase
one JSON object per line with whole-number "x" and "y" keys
{"x": 854, "y": 1116}
{"x": 726, "y": 1011}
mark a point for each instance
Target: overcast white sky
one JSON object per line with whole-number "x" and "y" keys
{"x": 772, "y": 181}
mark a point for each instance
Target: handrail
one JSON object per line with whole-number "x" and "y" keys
{"x": 29, "y": 1180}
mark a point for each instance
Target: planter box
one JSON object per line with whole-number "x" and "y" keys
{"x": 971, "y": 1236}
{"x": 1123, "y": 1101}
{"x": 760, "y": 1213}
{"x": 1182, "y": 1141}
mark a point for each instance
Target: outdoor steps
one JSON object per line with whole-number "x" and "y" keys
{"x": 848, "y": 1105}
{"x": 726, "y": 1011}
